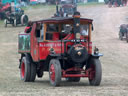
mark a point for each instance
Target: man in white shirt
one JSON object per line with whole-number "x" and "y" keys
{"x": 83, "y": 31}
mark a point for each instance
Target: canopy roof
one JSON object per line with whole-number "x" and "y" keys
{"x": 64, "y": 20}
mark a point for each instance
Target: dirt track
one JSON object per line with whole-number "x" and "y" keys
{"x": 105, "y": 37}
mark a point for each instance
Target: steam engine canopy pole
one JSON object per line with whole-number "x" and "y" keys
{"x": 90, "y": 29}
{"x": 76, "y": 25}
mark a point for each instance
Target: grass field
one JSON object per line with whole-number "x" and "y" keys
{"x": 54, "y": 6}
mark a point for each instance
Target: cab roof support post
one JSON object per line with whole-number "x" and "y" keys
{"x": 45, "y": 29}
{"x": 90, "y": 28}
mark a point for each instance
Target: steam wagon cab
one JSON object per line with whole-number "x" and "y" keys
{"x": 62, "y": 47}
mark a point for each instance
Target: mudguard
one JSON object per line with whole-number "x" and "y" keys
{"x": 97, "y": 55}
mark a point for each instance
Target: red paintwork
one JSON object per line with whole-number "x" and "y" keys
{"x": 90, "y": 48}
{"x": 55, "y": 36}
{"x": 22, "y": 69}
{"x": 26, "y": 28}
{"x": 69, "y": 37}
{"x": 40, "y": 50}
{"x": 84, "y": 73}
{"x": 5, "y": 7}
{"x": 34, "y": 44}
{"x": 52, "y": 73}
{"x": 44, "y": 48}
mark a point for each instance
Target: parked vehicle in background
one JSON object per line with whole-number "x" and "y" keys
{"x": 3, "y": 9}
{"x": 123, "y": 33}
{"x": 66, "y": 8}
{"x": 117, "y": 3}
{"x": 15, "y": 16}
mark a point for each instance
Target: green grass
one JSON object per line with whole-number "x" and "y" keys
{"x": 90, "y": 4}
{"x": 38, "y": 6}
{"x": 53, "y": 6}
{"x": 1, "y": 22}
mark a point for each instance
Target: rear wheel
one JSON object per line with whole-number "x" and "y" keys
{"x": 120, "y": 35}
{"x": 95, "y": 74}
{"x": 55, "y": 72}
{"x": 33, "y": 72}
{"x": 15, "y": 22}
{"x": 24, "y": 20}
{"x": 27, "y": 69}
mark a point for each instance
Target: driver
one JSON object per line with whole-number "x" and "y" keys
{"x": 83, "y": 31}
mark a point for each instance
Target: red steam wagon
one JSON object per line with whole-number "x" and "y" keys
{"x": 61, "y": 46}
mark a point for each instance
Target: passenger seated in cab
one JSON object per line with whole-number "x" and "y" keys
{"x": 84, "y": 30}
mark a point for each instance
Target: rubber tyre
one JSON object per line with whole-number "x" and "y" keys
{"x": 33, "y": 68}
{"x": 15, "y": 23}
{"x": 30, "y": 69}
{"x": 98, "y": 72}
{"x": 5, "y": 23}
{"x": 55, "y": 72}
{"x": 25, "y": 70}
{"x": 33, "y": 72}
{"x": 120, "y": 36}
{"x": 24, "y": 20}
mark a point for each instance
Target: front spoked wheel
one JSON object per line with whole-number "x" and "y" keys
{"x": 55, "y": 72}
{"x": 95, "y": 74}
